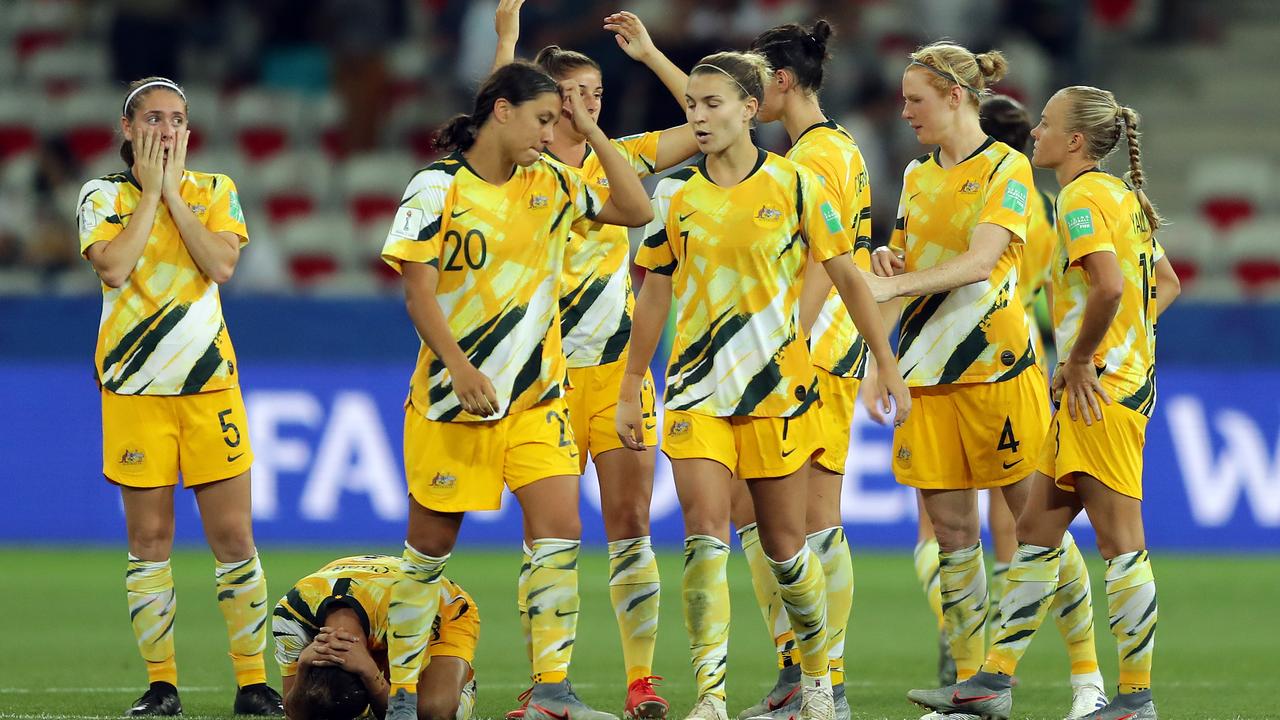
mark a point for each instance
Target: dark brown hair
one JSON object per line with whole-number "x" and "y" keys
{"x": 517, "y": 83}
{"x": 558, "y": 62}
{"x": 801, "y": 50}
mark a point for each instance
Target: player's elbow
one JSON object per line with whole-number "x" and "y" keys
{"x": 112, "y": 279}
{"x": 222, "y": 274}
{"x": 981, "y": 268}
{"x": 1168, "y": 285}
{"x": 640, "y": 215}
{"x": 1109, "y": 291}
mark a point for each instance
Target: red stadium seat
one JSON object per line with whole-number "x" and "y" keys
{"x": 15, "y": 139}
{"x": 87, "y": 142}
{"x": 1258, "y": 275}
{"x": 1226, "y": 212}
{"x": 310, "y": 268}
{"x": 282, "y": 207}
{"x": 259, "y": 143}
{"x": 369, "y": 208}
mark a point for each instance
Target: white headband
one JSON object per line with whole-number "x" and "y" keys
{"x": 726, "y": 74}
{"x": 163, "y": 83}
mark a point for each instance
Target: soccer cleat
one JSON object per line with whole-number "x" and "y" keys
{"x": 708, "y": 707}
{"x": 843, "y": 712}
{"x": 159, "y": 699}
{"x": 987, "y": 695}
{"x": 643, "y": 702}
{"x": 518, "y": 713}
{"x": 467, "y": 704}
{"x": 786, "y": 689}
{"x": 817, "y": 703}
{"x": 1126, "y": 706}
{"x": 951, "y": 716}
{"x": 557, "y": 701}
{"x": 946, "y": 663}
{"x": 258, "y": 699}
{"x": 402, "y": 706}
{"x": 1084, "y": 700}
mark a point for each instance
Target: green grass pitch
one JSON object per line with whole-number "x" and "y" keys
{"x": 68, "y": 651}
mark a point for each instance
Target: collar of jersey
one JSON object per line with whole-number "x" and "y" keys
{"x": 553, "y": 156}
{"x": 128, "y": 175}
{"x": 457, "y": 155}
{"x": 985, "y": 144}
{"x": 828, "y": 123}
{"x": 760, "y": 158}
{"x": 1082, "y": 173}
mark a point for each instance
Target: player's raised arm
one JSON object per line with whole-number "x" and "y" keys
{"x": 506, "y": 23}
{"x": 628, "y": 203}
{"x": 676, "y": 144}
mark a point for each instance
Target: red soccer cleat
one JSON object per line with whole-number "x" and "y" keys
{"x": 518, "y": 713}
{"x": 643, "y": 702}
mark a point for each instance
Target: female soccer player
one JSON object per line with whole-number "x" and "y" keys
{"x": 480, "y": 239}
{"x": 1006, "y": 120}
{"x": 330, "y": 631}
{"x": 796, "y": 56}
{"x": 731, "y": 237}
{"x": 596, "y": 302}
{"x": 963, "y": 337}
{"x": 162, "y": 238}
{"x": 1106, "y": 298}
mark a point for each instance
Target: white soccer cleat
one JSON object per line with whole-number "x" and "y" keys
{"x": 708, "y": 707}
{"x": 1086, "y": 699}
{"x": 817, "y": 703}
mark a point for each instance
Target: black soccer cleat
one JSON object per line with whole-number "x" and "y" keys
{"x": 258, "y": 699}
{"x": 159, "y": 699}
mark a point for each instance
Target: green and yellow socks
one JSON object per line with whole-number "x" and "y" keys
{"x": 152, "y": 608}
{"x": 704, "y": 589}
{"x": 415, "y": 601}
{"x": 242, "y": 598}
{"x": 634, "y": 590}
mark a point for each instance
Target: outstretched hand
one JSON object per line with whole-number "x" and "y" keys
{"x": 631, "y": 35}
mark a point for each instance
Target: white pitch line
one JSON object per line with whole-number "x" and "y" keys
{"x": 37, "y": 690}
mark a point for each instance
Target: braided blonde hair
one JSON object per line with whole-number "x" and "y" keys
{"x": 1095, "y": 114}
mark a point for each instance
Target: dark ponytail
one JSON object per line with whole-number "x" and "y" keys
{"x": 795, "y": 48}
{"x": 1006, "y": 120}
{"x": 517, "y": 83}
{"x": 133, "y": 99}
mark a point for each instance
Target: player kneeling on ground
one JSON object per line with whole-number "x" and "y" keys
{"x": 331, "y": 643}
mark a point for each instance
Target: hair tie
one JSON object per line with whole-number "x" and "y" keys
{"x": 124, "y": 110}
{"x": 726, "y": 74}
{"x": 948, "y": 78}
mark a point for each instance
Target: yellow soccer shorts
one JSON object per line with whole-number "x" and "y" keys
{"x": 456, "y": 631}
{"x": 1110, "y": 450}
{"x": 462, "y": 466}
{"x": 972, "y": 436}
{"x": 751, "y": 447}
{"x": 838, "y": 399}
{"x": 148, "y": 440}
{"x": 592, "y": 399}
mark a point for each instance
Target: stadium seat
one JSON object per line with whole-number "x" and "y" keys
{"x": 264, "y": 121}
{"x": 63, "y": 67}
{"x": 21, "y": 110}
{"x": 1228, "y": 190}
{"x": 316, "y": 246}
{"x": 1254, "y": 254}
{"x": 1193, "y": 248}
{"x": 374, "y": 182}
{"x": 89, "y": 121}
{"x": 292, "y": 183}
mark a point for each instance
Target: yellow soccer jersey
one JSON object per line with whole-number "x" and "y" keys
{"x": 1038, "y": 251}
{"x": 362, "y": 583}
{"x": 736, "y": 256}
{"x": 596, "y": 300}
{"x": 162, "y": 332}
{"x": 1099, "y": 213}
{"x": 829, "y": 150}
{"x": 976, "y": 333}
{"x": 500, "y": 251}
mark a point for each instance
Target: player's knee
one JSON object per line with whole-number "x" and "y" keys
{"x": 955, "y": 533}
{"x": 437, "y": 707}
{"x": 151, "y": 541}
{"x": 231, "y": 543}
{"x": 627, "y": 519}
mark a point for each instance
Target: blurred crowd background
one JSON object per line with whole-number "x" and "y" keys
{"x": 320, "y": 110}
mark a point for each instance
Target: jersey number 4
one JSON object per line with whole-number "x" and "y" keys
{"x": 1007, "y": 440}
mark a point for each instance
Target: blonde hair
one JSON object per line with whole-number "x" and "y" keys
{"x": 950, "y": 65}
{"x": 1095, "y": 114}
{"x": 749, "y": 70}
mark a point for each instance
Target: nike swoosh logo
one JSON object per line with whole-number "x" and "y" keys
{"x": 650, "y": 426}
{"x": 557, "y": 715}
{"x": 1130, "y": 715}
{"x": 1008, "y": 465}
{"x": 686, "y": 217}
{"x": 957, "y": 700}
{"x": 788, "y": 452}
{"x": 456, "y": 214}
{"x": 233, "y": 458}
{"x": 785, "y": 699}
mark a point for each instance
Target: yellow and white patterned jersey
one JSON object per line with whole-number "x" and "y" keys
{"x": 1038, "y": 251}
{"x": 500, "y": 252}
{"x": 1098, "y": 212}
{"x": 829, "y": 150}
{"x": 596, "y": 299}
{"x": 162, "y": 332}
{"x": 362, "y": 583}
{"x": 977, "y": 333}
{"x": 736, "y": 256}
